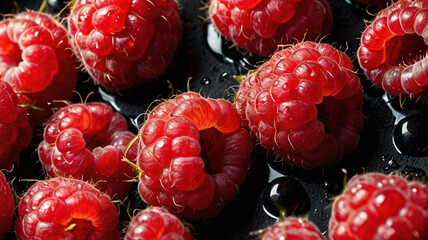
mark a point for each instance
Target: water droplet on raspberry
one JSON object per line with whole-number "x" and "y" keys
{"x": 414, "y": 174}
{"x": 205, "y": 81}
{"x": 285, "y": 195}
{"x": 411, "y": 136}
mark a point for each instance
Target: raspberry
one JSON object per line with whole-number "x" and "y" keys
{"x": 7, "y": 207}
{"x": 261, "y": 26}
{"x": 89, "y": 141}
{"x": 194, "y": 155}
{"x": 123, "y": 43}
{"x": 304, "y": 105}
{"x": 379, "y": 206}
{"x": 293, "y": 229}
{"x": 393, "y": 49}
{"x": 62, "y": 208}
{"x": 156, "y": 223}
{"x": 15, "y": 130}
{"x": 36, "y": 59}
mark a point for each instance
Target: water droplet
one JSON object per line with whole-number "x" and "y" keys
{"x": 411, "y": 136}
{"x": 285, "y": 195}
{"x": 108, "y": 97}
{"x": 390, "y": 164}
{"x": 225, "y": 77}
{"x": 414, "y": 174}
{"x": 205, "y": 81}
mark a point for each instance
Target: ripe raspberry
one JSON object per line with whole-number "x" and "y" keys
{"x": 293, "y": 229}
{"x": 7, "y": 207}
{"x": 124, "y": 42}
{"x": 393, "y": 50}
{"x": 304, "y": 105}
{"x": 194, "y": 155}
{"x": 89, "y": 141}
{"x": 260, "y": 26}
{"x": 62, "y": 208}
{"x": 15, "y": 130}
{"x": 379, "y": 206}
{"x": 157, "y": 223}
{"x": 37, "y": 60}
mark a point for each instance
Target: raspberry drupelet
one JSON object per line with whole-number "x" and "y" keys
{"x": 37, "y": 61}
{"x": 262, "y": 26}
{"x": 89, "y": 141}
{"x": 293, "y": 229}
{"x": 194, "y": 155}
{"x": 304, "y": 105}
{"x": 122, "y": 43}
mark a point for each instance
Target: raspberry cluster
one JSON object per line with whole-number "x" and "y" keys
{"x": 62, "y": 208}
{"x": 304, "y": 105}
{"x": 15, "y": 129}
{"x": 393, "y": 49}
{"x": 89, "y": 141}
{"x": 262, "y": 26}
{"x": 156, "y": 223}
{"x": 123, "y": 43}
{"x": 194, "y": 155}
{"x": 379, "y": 206}
{"x": 37, "y": 61}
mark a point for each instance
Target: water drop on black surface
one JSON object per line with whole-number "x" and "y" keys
{"x": 225, "y": 77}
{"x": 390, "y": 164}
{"x": 285, "y": 194}
{"x": 205, "y": 81}
{"x": 414, "y": 174}
{"x": 411, "y": 136}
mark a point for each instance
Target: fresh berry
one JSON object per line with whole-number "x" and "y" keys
{"x": 293, "y": 229}
{"x": 15, "y": 130}
{"x": 194, "y": 155}
{"x": 394, "y": 47}
{"x": 89, "y": 140}
{"x": 7, "y": 207}
{"x": 262, "y": 26}
{"x": 37, "y": 60}
{"x": 304, "y": 105}
{"x": 123, "y": 43}
{"x": 62, "y": 208}
{"x": 379, "y": 206}
{"x": 156, "y": 223}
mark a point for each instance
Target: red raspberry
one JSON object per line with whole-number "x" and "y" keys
{"x": 194, "y": 155}
{"x": 62, "y": 208}
{"x": 15, "y": 130}
{"x": 89, "y": 141}
{"x": 304, "y": 105}
{"x": 124, "y": 42}
{"x": 7, "y": 207}
{"x": 157, "y": 223}
{"x": 261, "y": 26}
{"x": 293, "y": 229}
{"x": 393, "y": 50}
{"x": 37, "y": 60}
{"x": 379, "y": 206}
